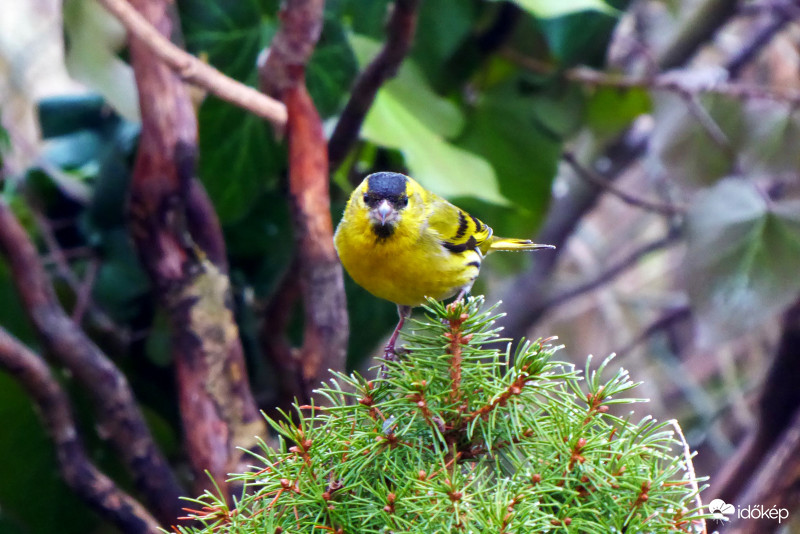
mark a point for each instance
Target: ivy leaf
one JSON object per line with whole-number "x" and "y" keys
{"x": 506, "y": 129}
{"x": 94, "y": 38}
{"x": 408, "y": 116}
{"x": 610, "y": 110}
{"x": 239, "y": 157}
{"x": 742, "y": 258}
{"x": 683, "y": 146}
{"x": 556, "y": 8}
{"x": 773, "y": 131}
{"x": 331, "y": 68}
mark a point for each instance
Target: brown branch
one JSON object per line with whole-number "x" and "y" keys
{"x": 774, "y": 484}
{"x": 117, "y": 411}
{"x": 191, "y": 69}
{"x": 179, "y": 240}
{"x": 277, "y": 349}
{"x": 778, "y": 416}
{"x": 683, "y": 84}
{"x": 524, "y": 300}
{"x": 80, "y": 474}
{"x": 400, "y": 35}
{"x": 320, "y": 274}
{"x": 632, "y": 200}
{"x": 781, "y": 15}
{"x": 611, "y": 273}
{"x": 708, "y": 17}
{"x": 669, "y": 318}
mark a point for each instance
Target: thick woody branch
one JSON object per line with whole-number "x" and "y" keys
{"x": 179, "y": 239}
{"x": 400, "y": 35}
{"x": 80, "y": 474}
{"x": 117, "y": 411}
{"x": 320, "y": 276}
{"x": 191, "y": 69}
{"x": 774, "y": 484}
{"x": 752, "y": 473}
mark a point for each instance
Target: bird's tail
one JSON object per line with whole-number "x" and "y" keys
{"x": 504, "y": 243}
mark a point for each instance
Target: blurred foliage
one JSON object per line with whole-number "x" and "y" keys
{"x": 464, "y": 116}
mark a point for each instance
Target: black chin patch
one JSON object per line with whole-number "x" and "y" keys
{"x": 386, "y": 184}
{"x": 382, "y": 231}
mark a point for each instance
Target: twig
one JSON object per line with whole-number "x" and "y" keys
{"x": 595, "y": 178}
{"x": 84, "y": 294}
{"x": 668, "y": 318}
{"x": 708, "y": 17}
{"x": 118, "y": 412}
{"x": 708, "y": 123}
{"x": 782, "y": 14}
{"x": 194, "y": 71}
{"x": 612, "y": 272}
{"x": 524, "y": 300}
{"x": 672, "y": 82}
{"x": 687, "y": 460}
{"x": 80, "y": 474}
{"x": 400, "y": 35}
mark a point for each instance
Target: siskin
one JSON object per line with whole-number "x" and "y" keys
{"x": 403, "y": 243}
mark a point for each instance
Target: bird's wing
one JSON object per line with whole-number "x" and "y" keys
{"x": 457, "y": 229}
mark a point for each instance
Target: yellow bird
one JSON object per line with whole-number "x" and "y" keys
{"x": 403, "y": 243}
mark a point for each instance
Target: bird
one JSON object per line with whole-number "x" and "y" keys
{"x": 403, "y": 243}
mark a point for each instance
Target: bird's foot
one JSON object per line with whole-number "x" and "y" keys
{"x": 392, "y": 354}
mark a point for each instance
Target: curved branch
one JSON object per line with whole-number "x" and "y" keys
{"x": 400, "y": 34}
{"x": 179, "y": 239}
{"x": 118, "y": 413}
{"x": 80, "y": 474}
{"x": 321, "y": 281}
{"x": 193, "y": 70}
{"x": 612, "y": 272}
{"x": 592, "y": 176}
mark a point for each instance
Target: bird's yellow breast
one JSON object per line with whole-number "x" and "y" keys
{"x": 405, "y": 267}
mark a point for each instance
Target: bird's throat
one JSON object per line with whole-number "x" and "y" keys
{"x": 383, "y": 231}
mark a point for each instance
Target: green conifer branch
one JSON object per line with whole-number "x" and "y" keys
{"x": 461, "y": 436}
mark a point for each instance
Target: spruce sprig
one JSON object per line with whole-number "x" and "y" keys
{"x": 461, "y": 436}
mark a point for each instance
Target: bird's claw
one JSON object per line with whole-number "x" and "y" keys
{"x": 392, "y": 354}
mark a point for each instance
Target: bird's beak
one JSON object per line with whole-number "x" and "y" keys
{"x": 384, "y": 211}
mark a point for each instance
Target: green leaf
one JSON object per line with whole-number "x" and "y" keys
{"x": 742, "y": 258}
{"x": 331, "y": 69}
{"x": 239, "y": 157}
{"x": 610, "y": 110}
{"x": 773, "y": 131}
{"x": 408, "y": 116}
{"x": 434, "y": 42}
{"x": 505, "y": 129}
{"x": 557, "y": 8}
{"x": 683, "y": 146}
{"x": 94, "y": 37}
{"x": 579, "y": 37}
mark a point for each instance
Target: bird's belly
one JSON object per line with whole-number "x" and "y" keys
{"x": 407, "y": 275}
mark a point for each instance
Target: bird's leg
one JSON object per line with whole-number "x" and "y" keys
{"x": 389, "y": 352}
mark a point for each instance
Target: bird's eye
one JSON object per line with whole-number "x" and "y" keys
{"x": 402, "y": 202}
{"x": 366, "y": 198}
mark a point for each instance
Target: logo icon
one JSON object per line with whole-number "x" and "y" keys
{"x": 721, "y": 508}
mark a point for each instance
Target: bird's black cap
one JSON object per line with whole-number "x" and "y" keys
{"x": 387, "y": 184}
